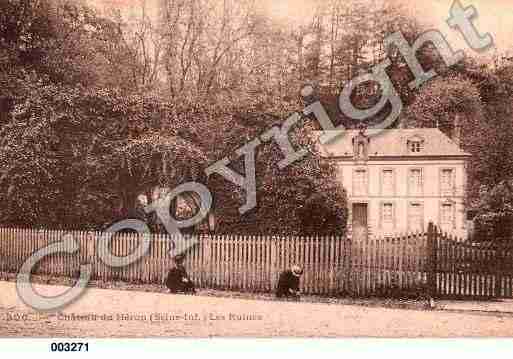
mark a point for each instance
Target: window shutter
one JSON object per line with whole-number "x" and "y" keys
{"x": 380, "y": 222}
{"x": 415, "y": 181}
{"x": 394, "y": 218}
{"x": 447, "y": 182}
{"x": 454, "y": 215}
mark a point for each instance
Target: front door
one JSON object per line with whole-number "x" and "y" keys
{"x": 360, "y": 221}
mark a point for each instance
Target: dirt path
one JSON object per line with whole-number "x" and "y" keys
{"x": 111, "y": 313}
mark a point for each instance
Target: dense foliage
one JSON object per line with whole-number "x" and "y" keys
{"x": 494, "y": 220}
{"x": 84, "y": 132}
{"x": 98, "y": 108}
{"x": 303, "y": 198}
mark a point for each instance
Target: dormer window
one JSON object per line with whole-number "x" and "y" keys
{"x": 415, "y": 144}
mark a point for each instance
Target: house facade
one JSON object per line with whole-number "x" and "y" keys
{"x": 399, "y": 180}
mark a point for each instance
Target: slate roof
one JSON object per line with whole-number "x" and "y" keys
{"x": 393, "y": 143}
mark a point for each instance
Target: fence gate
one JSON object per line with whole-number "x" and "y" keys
{"x": 471, "y": 270}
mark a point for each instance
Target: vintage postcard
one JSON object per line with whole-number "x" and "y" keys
{"x": 255, "y": 168}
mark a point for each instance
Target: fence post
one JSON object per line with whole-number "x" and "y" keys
{"x": 349, "y": 266}
{"x": 498, "y": 270}
{"x": 207, "y": 260}
{"x": 431, "y": 251}
{"x": 273, "y": 265}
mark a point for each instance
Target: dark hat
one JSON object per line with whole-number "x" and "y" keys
{"x": 179, "y": 258}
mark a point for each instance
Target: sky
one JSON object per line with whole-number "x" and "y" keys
{"x": 495, "y": 16}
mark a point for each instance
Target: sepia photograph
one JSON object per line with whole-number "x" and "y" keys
{"x": 255, "y": 169}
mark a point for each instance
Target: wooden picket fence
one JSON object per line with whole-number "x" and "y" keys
{"x": 430, "y": 263}
{"x": 471, "y": 270}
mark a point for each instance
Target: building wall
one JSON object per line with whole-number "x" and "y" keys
{"x": 431, "y": 198}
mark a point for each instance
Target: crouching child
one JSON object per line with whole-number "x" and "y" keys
{"x": 178, "y": 280}
{"x": 288, "y": 283}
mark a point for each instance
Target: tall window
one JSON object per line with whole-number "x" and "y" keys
{"x": 387, "y": 215}
{"x": 447, "y": 215}
{"x": 447, "y": 182}
{"x": 387, "y": 181}
{"x": 360, "y": 182}
{"x": 416, "y": 216}
{"x": 415, "y": 182}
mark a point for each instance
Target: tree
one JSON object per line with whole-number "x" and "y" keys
{"x": 494, "y": 220}
{"x": 303, "y": 198}
{"x": 75, "y": 156}
{"x": 441, "y": 100}
{"x": 496, "y": 152}
{"x": 138, "y": 53}
{"x": 199, "y": 37}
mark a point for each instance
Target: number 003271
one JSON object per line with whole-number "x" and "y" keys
{"x": 69, "y": 347}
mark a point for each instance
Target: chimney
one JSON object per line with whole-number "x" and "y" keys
{"x": 456, "y": 132}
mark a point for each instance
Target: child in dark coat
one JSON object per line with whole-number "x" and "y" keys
{"x": 178, "y": 280}
{"x": 288, "y": 283}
